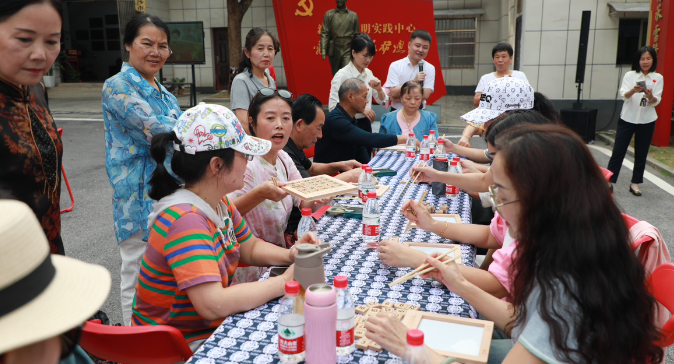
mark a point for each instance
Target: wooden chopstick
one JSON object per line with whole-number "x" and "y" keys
{"x": 408, "y": 181}
{"x": 421, "y": 267}
{"x": 431, "y": 268}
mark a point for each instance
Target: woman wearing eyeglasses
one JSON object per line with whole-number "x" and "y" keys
{"x": 266, "y": 206}
{"x": 579, "y": 295}
{"x": 253, "y": 72}
{"x": 136, "y": 107}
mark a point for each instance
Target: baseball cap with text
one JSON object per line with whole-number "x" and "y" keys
{"x": 501, "y": 95}
{"x": 211, "y": 127}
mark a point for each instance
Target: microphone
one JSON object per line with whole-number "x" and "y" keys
{"x": 421, "y": 69}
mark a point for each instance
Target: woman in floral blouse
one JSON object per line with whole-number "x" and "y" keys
{"x": 265, "y": 206}
{"x": 135, "y": 108}
{"x": 30, "y": 150}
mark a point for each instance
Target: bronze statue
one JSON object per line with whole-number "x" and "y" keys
{"x": 339, "y": 25}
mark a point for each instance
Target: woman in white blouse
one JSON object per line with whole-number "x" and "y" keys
{"x": 362, "y": 53}
{"x": 638, "y": 115}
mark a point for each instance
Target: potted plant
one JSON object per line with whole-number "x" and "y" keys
{"x": 74, "y": 75}
{"x": 50, "y": 79}
{"x": 178, "y": 84}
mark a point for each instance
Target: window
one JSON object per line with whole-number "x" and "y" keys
{"x": 456, "y": 42}
{"x": 631, "y": 36}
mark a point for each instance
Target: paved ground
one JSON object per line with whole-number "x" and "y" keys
{"x": 88, "y": 230}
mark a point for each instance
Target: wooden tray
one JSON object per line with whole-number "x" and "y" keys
{"x": 465, "y": 339}
{"x": 440, "y": 217}
{"x": 381, "y": 190}
{"x": 428, "y": 248}
{"x": 316, "y": 188}
{"x": 400, "y": 148}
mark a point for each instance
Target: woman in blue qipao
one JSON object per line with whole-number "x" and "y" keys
{"x": 135, "y": 108}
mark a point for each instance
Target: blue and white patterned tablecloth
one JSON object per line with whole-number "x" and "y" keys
{"x": 251, "y": 337}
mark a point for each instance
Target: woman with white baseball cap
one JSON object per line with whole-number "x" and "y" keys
{"x": 44, "y": 298}
{"x": 197, "y": 235}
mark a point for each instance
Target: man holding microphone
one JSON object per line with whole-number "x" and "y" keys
{"x": 412, "y": 68}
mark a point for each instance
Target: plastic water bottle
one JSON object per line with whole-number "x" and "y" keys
{"x": 414, "y": 352}
{"x": 411, "y": 148}
{"x": 307, "y": 224}
{"x": 458, "y": 164}
{"x": 452, "y": 192}
{"x": 371, "y": 219}
{"x": 361, "y": 180}
{"x": 368, "y": 185}
{"x": 440, "y": 150}
{"x": 346, "y": 313}
{"x": 425, "y": 150}
{"x": 432, "y": 142}
{"x": 291, "y": 325}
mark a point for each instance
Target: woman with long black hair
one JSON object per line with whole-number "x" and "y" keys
{"x": 253, "y": 72}
{"x": 638, "y": 115}
{"x": 578, "y": 292}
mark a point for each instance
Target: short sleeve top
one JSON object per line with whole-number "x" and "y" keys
{"x": 244, "y": 87}
{"x": 491, "y": 76}
{"x": 269, "y": 219}
{"x": 186, "y": 249}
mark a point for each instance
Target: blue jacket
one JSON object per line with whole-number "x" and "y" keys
{"x": 389, "y": 124}
{"x": 133, "y": 112}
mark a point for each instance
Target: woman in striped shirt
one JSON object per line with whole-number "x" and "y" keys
{"x": 198, "y": 236}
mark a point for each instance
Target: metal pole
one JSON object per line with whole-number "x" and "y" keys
{"x": 193, "y": 96}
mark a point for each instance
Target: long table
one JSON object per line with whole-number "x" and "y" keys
{"x": 251, "y": 337}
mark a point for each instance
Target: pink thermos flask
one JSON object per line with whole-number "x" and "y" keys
{"x": 320, "y": 314}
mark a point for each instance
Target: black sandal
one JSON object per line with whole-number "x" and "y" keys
{"x": 635, "y": 192}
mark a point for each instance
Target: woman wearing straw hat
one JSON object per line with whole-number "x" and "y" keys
{"x": 198, "y": 236}
{"x": 44, "y": 298}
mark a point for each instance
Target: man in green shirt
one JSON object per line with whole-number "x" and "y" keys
{"x": 339, "y": 25}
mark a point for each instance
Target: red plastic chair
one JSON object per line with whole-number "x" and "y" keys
{"x": 159, "y": 344}
{"x": 660, "y": 285}
{"x": 607, "y": 174}
{"x": 645, "y": 241}
{"x": 65, "y": 179}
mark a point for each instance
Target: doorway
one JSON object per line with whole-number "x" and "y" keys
{"x": 221, "y": 54}
{"x": 518, "y": 42}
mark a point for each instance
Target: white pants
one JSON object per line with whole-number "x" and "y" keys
{"x": 131, "y": 250}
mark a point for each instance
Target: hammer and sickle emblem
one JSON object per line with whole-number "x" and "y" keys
{"x": 307, "y": 10}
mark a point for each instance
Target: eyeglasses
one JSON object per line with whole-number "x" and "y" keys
{"x": 270, "y": 91}
{"x": 69, "y": 341}
{"x": 249, "y": 157}
{"x": 496, "y": 201}
{"x": 149, "y": 50}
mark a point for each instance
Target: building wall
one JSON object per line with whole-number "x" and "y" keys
{"x": 551, "y": 32}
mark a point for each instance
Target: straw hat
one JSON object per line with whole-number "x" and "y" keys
{"x": 41, "y": 295}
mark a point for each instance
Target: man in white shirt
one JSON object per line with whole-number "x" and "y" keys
{"x": 407, "y": 69}
{"x": 502, "y": 55}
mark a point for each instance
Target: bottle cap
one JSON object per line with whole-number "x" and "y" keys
{"x": 441, "y": 141}
{"x": 292, "y": 287}
{"x": 368, "y": 169}
{"x": 340, "y": 282}
{"x": 306, "y": 211}
{"x": 411, "y": 135}
{"x": 364, "y": 166}
{"x": 415, "y": 338}
{"x": 372, "y": 194}
{"x": 425, "y": 136}
{"x": 456, "y": 159}
{"x": 453, "y": 163}
{"x": 441, "y": 159}
{"x": 432, "y": 131}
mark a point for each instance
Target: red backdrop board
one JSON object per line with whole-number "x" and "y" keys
{"x": 662, "y": 33}
{"x": 388, "y": 22}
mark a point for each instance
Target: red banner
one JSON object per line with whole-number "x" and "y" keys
{"x": 389, "y": 23}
